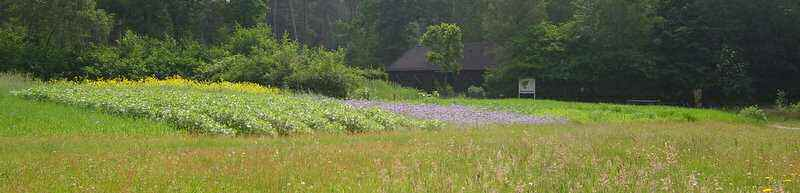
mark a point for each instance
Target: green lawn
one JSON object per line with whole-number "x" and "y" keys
{"x": 20, "y": 117}
{"x": 596, "y": 112}
{"x": 47, "y": 147}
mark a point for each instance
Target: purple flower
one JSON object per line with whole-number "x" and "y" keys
{"x": 454, "y": 113}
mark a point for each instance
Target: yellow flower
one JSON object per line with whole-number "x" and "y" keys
{"x": 767, "y": 190}
{"x": 768, "y": 178}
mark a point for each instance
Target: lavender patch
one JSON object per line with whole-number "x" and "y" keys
{"x": 455, "y": 113}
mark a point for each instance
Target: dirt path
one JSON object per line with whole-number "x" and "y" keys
{"x": 784, "y": 127}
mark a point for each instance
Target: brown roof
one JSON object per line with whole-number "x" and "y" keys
{"x": 477, "y": 56}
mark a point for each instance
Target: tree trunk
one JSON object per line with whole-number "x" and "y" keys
{"x": 294, "y": 21}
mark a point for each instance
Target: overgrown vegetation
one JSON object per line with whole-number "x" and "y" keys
{"x": 253, "y": 55}
{"x": 680, "y": 157}
{"x": 673, "y": 50}
{"x": 754, "y": 112}
{"x": 388, "y": 91}
{"x": 222, "y": 108}
{"x": 248, "y": 54}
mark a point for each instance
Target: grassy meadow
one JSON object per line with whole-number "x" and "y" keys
{"x": 578, "y": 112}
{"x": 68, "y": 147}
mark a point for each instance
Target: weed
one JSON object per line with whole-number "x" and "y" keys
{"x": 754, "y": 112}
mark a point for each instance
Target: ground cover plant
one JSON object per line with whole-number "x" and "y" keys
{"x": 221, "y": 108}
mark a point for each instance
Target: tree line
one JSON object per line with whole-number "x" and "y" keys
{"x": 679, "y": 50}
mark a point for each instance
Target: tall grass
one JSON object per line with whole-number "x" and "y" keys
{"x": 389, "y": 91}
{"x": 10, "y": 81}
{"x": 678, "y": 157}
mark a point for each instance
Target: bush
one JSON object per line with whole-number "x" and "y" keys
{"x": 138, "y": 57}
{"x": 325, "y": 72}
{"x": 795, "y": 108}
{"x": 374, "y": 74}
{"x": 753, "y": 112}
{"x": 252, "y": 55}
{"x": 781, "y": 101}
{"x": 12, "y": 46}
{"x": 251, "y": 41}
{"x": 476, "y": 92}
{"x": 43, "y": 60}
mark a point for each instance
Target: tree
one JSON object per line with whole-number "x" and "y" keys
{"x": 734, "y": 81}
{"x": 56, "y": 31}
{"x": 446, "y": 42}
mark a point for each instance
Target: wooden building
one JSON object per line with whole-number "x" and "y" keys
{"x": 412, "y": 69}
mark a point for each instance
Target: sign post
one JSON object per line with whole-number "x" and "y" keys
{"x": 527, "y": 86}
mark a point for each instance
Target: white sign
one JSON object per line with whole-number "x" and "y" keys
{"x": 527, "y": 86}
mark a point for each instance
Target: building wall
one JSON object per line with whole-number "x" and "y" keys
{"x": 424, "y": 80}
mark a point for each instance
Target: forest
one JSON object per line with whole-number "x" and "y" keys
{"x": 716, "y": 51}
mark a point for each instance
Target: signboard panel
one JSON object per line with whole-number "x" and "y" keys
{"x": 527, "y": 86}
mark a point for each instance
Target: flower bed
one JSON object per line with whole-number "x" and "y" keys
{"x": 223, "y": 108}
{"x": 455, "y": 113}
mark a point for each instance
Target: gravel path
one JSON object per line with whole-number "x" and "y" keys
{"x": 455, "y": 113}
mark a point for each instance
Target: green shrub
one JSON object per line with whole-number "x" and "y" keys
{"x": 18, "y": 53}
{"x": 49, "y": 62}
{"x": 252, "y": 55}
{"x": 250, "y": 41}
{"x": 374, "y": 74}
{"x": 138, "y": 57}
{"x": 500, "y": 83}
{"x": 444, "y": 89}
{"x": 476, "y": 92}
{"x": 362, "y": 93}
{"x": 12, "y": 47}
{"x": 795, "y": 108}
{"x": 781, "y": 101}
{"x": 753, "y": 112}
{"x": 325, "y": 72}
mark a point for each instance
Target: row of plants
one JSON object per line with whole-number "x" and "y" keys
{"x": 223, "y": 108}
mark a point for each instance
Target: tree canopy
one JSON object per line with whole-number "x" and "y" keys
{"x": 730, "y": 50}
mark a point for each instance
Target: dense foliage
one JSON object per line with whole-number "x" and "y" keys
{"x": 676, "y": 50}
{"x": 670, "y": 49}
{"x": 222, "y": 108}
{"x": 253, "y": 55}
{"x": 446, "y": 42}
